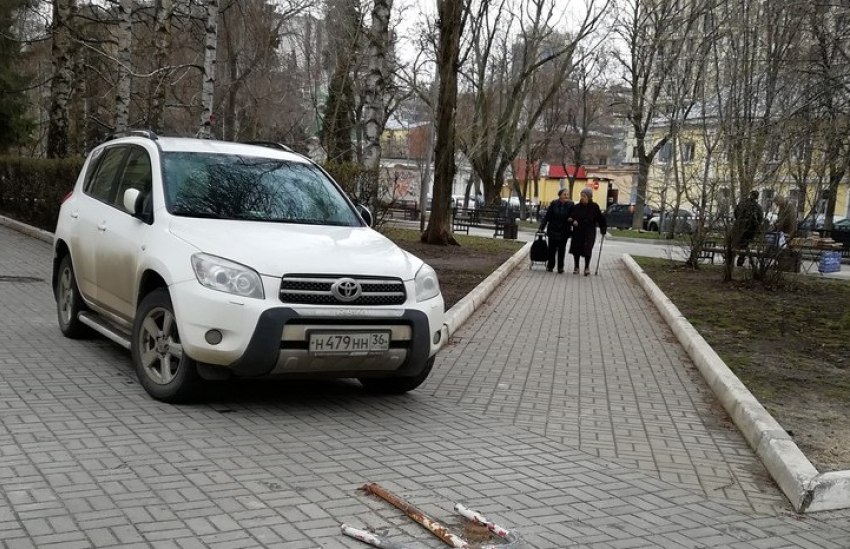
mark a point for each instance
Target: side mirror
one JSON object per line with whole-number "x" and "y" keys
{"x": 134, "y": 203}
{"x": 365, "y": 214}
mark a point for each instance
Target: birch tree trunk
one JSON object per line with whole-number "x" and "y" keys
{"x": 162, "y": 43}
{"x": 376, "y": 85}
{"x": 375, "y": 116}
{"x": 208, "y": 76}
{"x": 63, "y": 75}
{"x": 125, "y": 41}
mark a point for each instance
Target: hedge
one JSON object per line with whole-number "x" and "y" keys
{"x": 32, "y": 189}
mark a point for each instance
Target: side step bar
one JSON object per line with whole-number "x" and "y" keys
{"x": 106, "y": 329}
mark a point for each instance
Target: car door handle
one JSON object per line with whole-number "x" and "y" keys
{"x": 101, "y": 226}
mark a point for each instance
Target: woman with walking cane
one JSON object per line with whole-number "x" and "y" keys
{"x": 586, "y": 217}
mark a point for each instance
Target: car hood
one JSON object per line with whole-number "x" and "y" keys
{"x": 275, "y": 249}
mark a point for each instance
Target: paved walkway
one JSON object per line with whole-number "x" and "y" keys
{"x": 564, "y": 409}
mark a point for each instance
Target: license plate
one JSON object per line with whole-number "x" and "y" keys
{"x": 349, "y": 343}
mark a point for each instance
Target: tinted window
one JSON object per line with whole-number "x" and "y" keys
{"x": 237, "y": 187}
{"x": 101, "y": 183}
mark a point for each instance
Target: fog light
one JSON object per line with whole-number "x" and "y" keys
{"x": 437, "y": 337}
{"x": 213, "y": 337}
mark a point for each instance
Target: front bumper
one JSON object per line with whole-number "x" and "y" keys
{"x": 260, "y": 340}
{"x": 279, "y": 346}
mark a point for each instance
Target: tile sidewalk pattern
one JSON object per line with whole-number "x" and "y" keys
{"x": 619, "y": 447}
{"x": 587, "y": 361}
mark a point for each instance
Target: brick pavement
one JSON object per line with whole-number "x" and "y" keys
{"x": 560, "y": 454}
{"x": 587, "y": 361}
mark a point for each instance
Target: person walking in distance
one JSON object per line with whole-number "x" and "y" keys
{"x": 586, "y": 216}
{"x": 557, "y": 223}
{"x": 748, "y": 219}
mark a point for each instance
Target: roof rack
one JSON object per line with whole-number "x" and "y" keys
{"x": 133, "y": 133}
{"x": 270, "y": 144}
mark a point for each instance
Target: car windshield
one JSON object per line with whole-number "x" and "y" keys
{"x": 224, "y": 186}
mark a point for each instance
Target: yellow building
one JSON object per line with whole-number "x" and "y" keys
{"x": 693, "y": 179}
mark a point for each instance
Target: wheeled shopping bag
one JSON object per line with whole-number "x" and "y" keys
{"x": 539, "y": 250}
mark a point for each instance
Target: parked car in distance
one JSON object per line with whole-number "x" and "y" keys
{"x": 619, "y": 216}
{"x": 816, "y": 222}
{"x": 684, "y": 222}
{"x": 842, "y": 225}
{"x": 210, "y": 260}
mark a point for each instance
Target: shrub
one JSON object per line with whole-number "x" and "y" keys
{"x": 32, "y": 189}
{"x": 355, "y": 179}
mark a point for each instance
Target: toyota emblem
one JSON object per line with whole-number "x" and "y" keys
{"x": 346, "y": 289}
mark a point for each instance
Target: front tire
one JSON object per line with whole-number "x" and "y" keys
{"x": 164, "y": 370}
{"x": 69, "y": 302}
{"x": 397, "y": 385}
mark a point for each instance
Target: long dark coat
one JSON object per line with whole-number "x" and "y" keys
{"x": 557, "y": 220}
{"x": 588, "y": 216}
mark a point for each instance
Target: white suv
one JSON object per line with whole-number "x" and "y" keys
{"x": 211, "y": 259}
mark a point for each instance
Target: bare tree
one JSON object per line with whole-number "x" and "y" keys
{"x": 656, "y": 34}
{"x": 62, "y": 79}
{"x": 251, "y": 33}
{"x": 829, "y": 79}
{"x": 124, "y": 79}
{"x": 755, "y": 94}
{"x": 584, "y": 110}
{"x": 158, "y": 84}
{"x": 208, "y": 73}
{"x": 452, "y": 20}
{"x": 509, "y": 48}
{"x": 376, "y": 81}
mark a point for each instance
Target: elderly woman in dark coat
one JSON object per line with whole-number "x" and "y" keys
{"x": 559, "y": 225}
{"x": 586, "y": 217}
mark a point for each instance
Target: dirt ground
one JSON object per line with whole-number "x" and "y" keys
{"x": 789, "y": 345}
{"x": 460, "y": 268}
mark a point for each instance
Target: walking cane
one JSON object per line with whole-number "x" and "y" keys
{"x": 599, "y": 257}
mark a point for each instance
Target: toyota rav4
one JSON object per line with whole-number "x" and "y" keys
{"x": 210, "y": 259}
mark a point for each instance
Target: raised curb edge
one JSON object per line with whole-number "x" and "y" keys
{"x": 805, "y": 488}
{"x": 463, "y": 309}
{"x": 28, "y": 230}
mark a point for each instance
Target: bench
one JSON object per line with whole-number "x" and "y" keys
{"x": 464, "y": 218}
{"x": 461, "y": 222}
{"x": 708, "y": 252}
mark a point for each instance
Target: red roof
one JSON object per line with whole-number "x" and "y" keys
{"x": 557, "y": 171}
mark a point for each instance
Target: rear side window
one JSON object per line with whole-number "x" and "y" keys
{"x": 101, "y": 184}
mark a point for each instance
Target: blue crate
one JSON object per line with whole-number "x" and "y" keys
{"x": 829, "y": 262}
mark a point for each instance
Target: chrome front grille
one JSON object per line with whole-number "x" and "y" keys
{"x": 319, "y": 290}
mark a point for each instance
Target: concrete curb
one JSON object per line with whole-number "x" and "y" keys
{"x": 805, "y": 488}
{"x": 463, "y": 309}
{"x": 28, "y": 230}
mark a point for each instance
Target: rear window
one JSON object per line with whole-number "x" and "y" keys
{"x": 264, "y": 189}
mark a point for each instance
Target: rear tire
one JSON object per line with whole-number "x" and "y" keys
{"x": 69, "y": 302}
{"x": 397, "y": 385}
{"x": 164, "y": 370}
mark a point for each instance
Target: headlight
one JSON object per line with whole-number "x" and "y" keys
{"x": 226, "y": 276}
{"x": 427, "y": 285}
